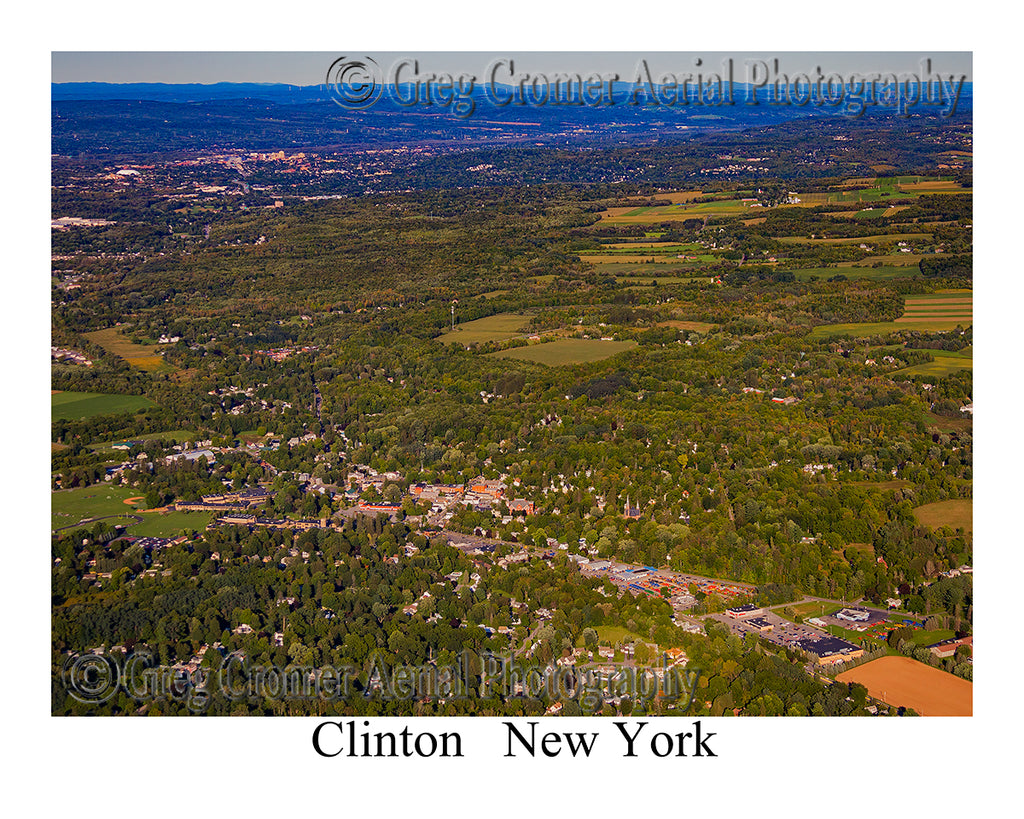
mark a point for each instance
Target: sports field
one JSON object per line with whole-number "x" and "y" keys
{"x": 954, "y": 513}
{"x": 69, "y": 506}
{"x": 567, "y": 351}
{"x": 119, "y": 505}
{"x": 492, "y": 328}
{"x": 74, "y": 405}
{"x": 901, "y": 681}
{"x": 138, "y": 355}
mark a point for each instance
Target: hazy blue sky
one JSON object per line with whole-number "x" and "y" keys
{"x": 310, "y": 68}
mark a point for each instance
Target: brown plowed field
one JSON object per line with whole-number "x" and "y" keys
{"x": 903, "y": 681}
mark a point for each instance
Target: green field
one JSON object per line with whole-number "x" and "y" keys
{"x": 656, "y": 270}
{"x": 145, "y": 357}
{"x": 814, "y": 608}
{"x": 927, "y": 638}
{"x": 648, "y": 248}
{"x": 493, "y": 328}
{"x": 855, "y": 240}
{"x": 176, "y": 435}
{"x": 945, "y": 362}
{"x": 70, "y": 506}
{"x": 75, "y": 405}
{"x": 169, "y": 524}
{"x": 567, "y": 351}
{"x": 663, "y": 281}
{"x": 873, "y": 273}
{"x": 613, "y": 635}
{"x": 677, "y": 212}
{"x": 954, "y": 513}
{"x": 940, "y": 311}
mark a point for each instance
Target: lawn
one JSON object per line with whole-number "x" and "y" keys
{"x": 921, "y": 637}
{"x": 75, "y": 405}
{"x": 169, "y": 524}
{"x": 492, "y": 328}
{"x": 954, "y": 513}
{"x": 567, "y": 351}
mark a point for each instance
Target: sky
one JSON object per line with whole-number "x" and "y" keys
{"x": 310, "y": 68}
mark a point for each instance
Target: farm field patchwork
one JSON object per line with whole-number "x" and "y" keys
{"x": 74, "y": 405}
{"x": 931, "y": 311}
{"x": 901, "y": 681}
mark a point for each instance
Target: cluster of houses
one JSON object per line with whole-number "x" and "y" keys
{"x": 67, "y": 356}
{"x": 281, "y": 353}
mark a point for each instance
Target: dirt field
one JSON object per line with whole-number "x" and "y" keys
{"x": 903, "y": 681}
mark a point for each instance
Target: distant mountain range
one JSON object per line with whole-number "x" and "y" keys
{"x": 135, "y": 118}
{"x": 289, "y": 94}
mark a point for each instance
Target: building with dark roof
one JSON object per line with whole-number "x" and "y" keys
{"x": 827, "y": 650}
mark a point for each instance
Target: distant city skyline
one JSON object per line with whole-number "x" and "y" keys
{"x": 310, "y": 68}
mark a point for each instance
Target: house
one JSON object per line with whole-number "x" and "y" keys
{"x": 947, "y": 648}
{"x": 521, "y": 507}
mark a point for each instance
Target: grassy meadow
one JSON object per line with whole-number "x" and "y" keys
{"x": 75, "y": 405}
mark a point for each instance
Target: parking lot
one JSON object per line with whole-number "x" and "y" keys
{"x": 783, "y": 632}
